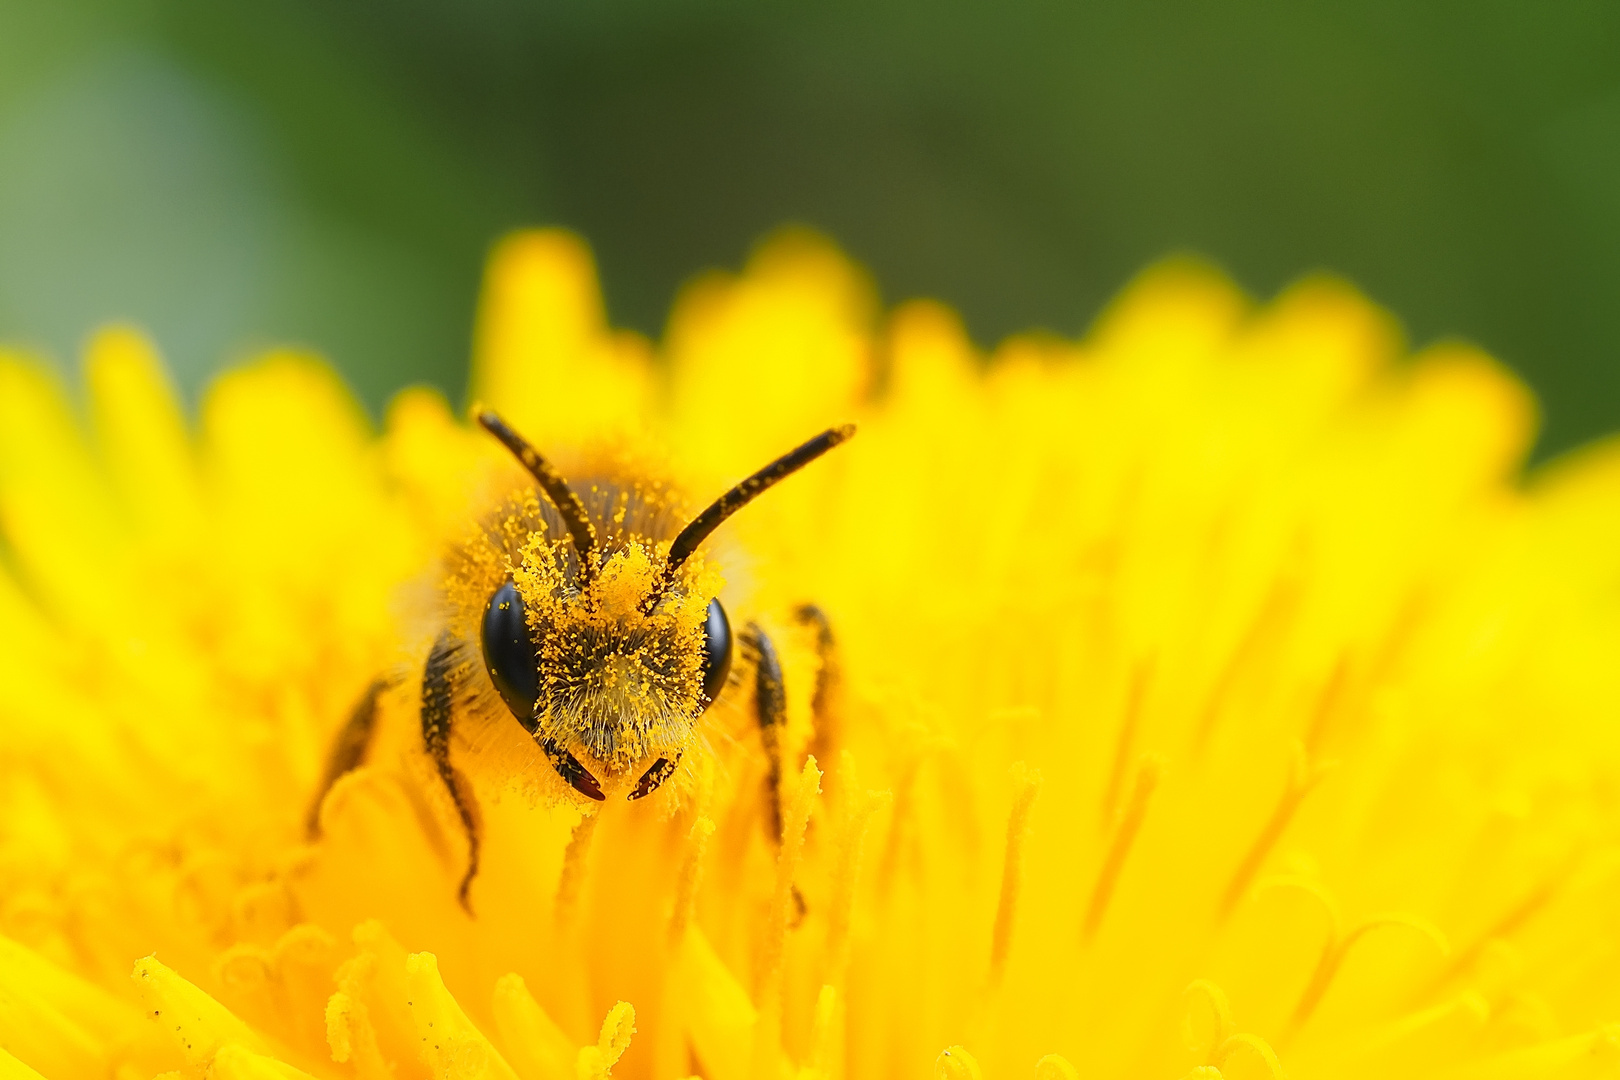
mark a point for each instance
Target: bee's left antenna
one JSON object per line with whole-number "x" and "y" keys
{"x": 746, "y": 491}
{"x": 556, "y": 488}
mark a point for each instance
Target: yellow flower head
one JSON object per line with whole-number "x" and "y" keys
{"x": 1204, "y": 698}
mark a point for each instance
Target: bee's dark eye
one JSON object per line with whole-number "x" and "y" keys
{"x": 716, "y": 654}
{"x": 510, "y": 655}
{"x": 661, "y": 770}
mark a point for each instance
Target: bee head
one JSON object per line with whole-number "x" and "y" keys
{"x": 609, "y": 660}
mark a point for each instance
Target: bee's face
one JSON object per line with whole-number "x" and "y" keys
{"x": 607, "y": 645}
{"x": 610, "y": 691}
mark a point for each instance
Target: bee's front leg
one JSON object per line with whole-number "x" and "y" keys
{"x": 349, "y": 748}
{"x": 438, "y": 695}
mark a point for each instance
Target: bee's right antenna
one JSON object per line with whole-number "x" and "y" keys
{"x": 698, "y": 530}
{"x": 556, "y": 488}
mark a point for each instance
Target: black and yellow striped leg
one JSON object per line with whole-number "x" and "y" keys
{"x": 770, "y": 696}
{"x": 770, "y": 701}
{"x": 438, "y": 694}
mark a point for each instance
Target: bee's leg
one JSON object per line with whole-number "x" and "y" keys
{"x": 438, "y": 692}
{"x": 823, "y": 737}
{"x": 770, "y": 696}
{"x": 348, "y": 748}
{"x": 770, "y": 700}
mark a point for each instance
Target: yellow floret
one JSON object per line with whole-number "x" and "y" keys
{"x": 1211, "y": 698}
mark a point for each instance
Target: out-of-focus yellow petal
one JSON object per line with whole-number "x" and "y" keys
{"x": 142, "y": 435}
{"x": 234, "y": 1062}
{"x": 436, "y": 460}
{"x": 543, "y": 354}
{"x": 12, "y": 1069}
{"x": 60, "y": 533}
{"x": 719, "y": 1015}
{"x": 765, "y": 360}
{"x": 536, "y": 1046}
{"x": 55, "y": 1012}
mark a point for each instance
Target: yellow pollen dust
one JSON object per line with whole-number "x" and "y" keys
{"x": 627, "y": 579}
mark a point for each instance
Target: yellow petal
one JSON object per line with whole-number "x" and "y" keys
{"x": 448, "y": 1042}
{"x": 720, "y": 1016}
{"x": 955, "y": 1063}
{"x": 199, "y": 1025}
{"x": 12, "y": 1069}
{"x": 769, "y": 359}
{"x": 98, "y": 1020}
{"x": 543, "y": 355}
{"x": 53, "y": 501}
{"x": 535, "y": 1045}
{"x": 235, "y": 1062}
{"x": 142, "y": 435}
{"x": 1054, "y": 1067}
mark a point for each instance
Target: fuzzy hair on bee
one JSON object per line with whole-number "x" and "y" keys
{"x": 583, "y": 640}
{"x": 616, "y": 686}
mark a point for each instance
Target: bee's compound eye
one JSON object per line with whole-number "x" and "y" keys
{"x": 653, "y": 778}
{"x": 510, "y": 655}
{"x": 716, "y": 654}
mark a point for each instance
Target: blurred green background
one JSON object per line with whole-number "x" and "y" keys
{"x": 230, "y": 174}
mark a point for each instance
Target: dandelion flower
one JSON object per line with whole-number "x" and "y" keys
{"x": 1210, "y": 697}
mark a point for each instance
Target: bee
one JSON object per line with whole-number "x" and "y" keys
{"x": 591, "y": 623}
